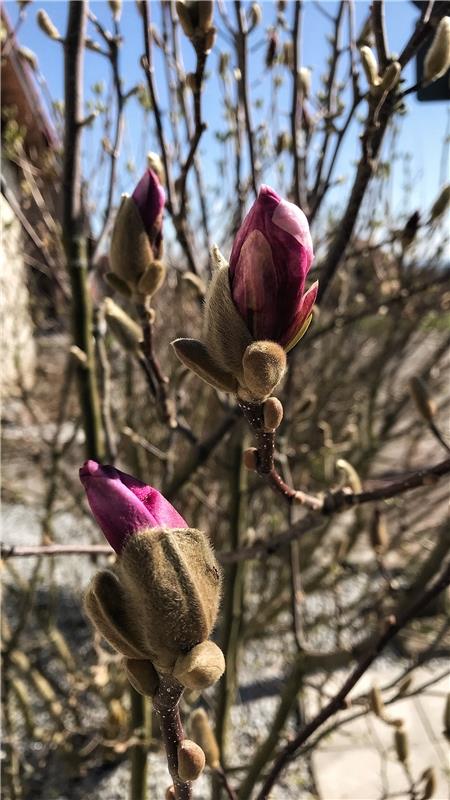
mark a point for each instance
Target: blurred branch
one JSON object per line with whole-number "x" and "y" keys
{"x": 241, "y": 50}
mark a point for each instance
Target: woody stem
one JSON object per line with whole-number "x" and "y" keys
{"x": 166, "y": 705}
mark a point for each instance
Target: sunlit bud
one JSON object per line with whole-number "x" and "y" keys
{"x": 191, "y": 760}
{"x": 273, "y": 413}
{"x": 250, "y": 459}
{"x": 47, "y": 26}
{"x": 437, "y": 60}
{"x": 441, "y": 204}
{"x": 29, "y": 57}
{"x": 379, "y": 537}
{"x": 350, "y": 473}
{"x": 390, "y": 77}
{"x": 370, "y": 66}
{"x": 424, "y": 404}
{"x": 255, "y": 16}
{"x": 170, "y": 793}
{"x": 304, "y": 79}
{"x": 401, "y": 744}
{"x": 202, "y": 733}
{"x": 116, "y": 8}
{"x": 283, "y": 143}
{"x": 91, "y": 45}
{"x": 376, "y": 702}
{"x": 155, "y": 163}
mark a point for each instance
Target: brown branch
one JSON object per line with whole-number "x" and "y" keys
{"x": 394, "y": 625}
{"x": 241, "y": 49}
{"x": 295, "y": 84}
{"x": 160, "y": 381}
{"x": 379, "y": 29}
{"x": 166, "y": 704}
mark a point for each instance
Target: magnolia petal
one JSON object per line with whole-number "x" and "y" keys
{"x": 255, "y": 286}
{"x": 302, "y": 319}
{"x": 290, "y": 218}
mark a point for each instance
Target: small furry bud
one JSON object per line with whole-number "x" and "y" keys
{"x": 304, "y": 80}
{"x": 379, "y": 538}
{"x": 370, "y": 66}
{"x": 91, "y": 45}
{"x": 250, "y": 459}
{"x": 191, "y": 760}
{"x": 273, "y": 413}
{"x": 401, "y": 745}
{"x": 430, "y": 778}
{"x": 390, "y": 77}
{"x": 437, "y": 60}
{"x": 440, "y": 204}
{"x": 205, "y": 10}
{"x": 263, "y": 365}
{"x": 116, "y": 8}
{"x": 29, "y": 57}
{"x": 185, "y": 18}
{"x": 203, "y": 734}
{"x": 424, "y": 404}
{"x": 255, "y": 16}
{"x": 376, "y": 702}
{"x": 142, "y": 675}
{"x": 47, "y": 26}
{"x": 200, "y": 667}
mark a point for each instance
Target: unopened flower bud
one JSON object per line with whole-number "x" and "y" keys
{"x": 29, "y": 57}
{"x": 376, "y": 702}
{"x": 191, "y": 760}
{"x": 379, "y": 537}
{"x": 370, "y": 66}
{"x": 263, "y": 365}
{"x": 390, "y": 78}
{"x": 116, "y": 8}
{"x": 255, "y": 16}
{"x": 304, "y": 80}
{"x": 272, "y": 47}
{"x": 250, "y": 459}
{"x": 351, "y": 474}
{"x": 401, "y": 743}
{"x": 170, "y": 793}
{"x": 424, "y": 404}
{"x": 430, "y": 778}
{"x": 47, "y": 26}
{"x": 365, "y": 38}
{"x": 200, "y": 667}
{"x": 440, "y": 204}
{"x": 273, "y": 413}
{"x": 203, "y": 734}
{"x": 142, "y": 675}
{"x": 437, "y": 60}
{"x": 91, "y": 45}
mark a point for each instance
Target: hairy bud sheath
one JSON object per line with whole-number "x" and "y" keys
{"x": 203, "y": 734}
{"x": 370, "y": 66}
{"x": 159, "y": 602}
{"x": 137, "y": 240}
{"x": 191, "y": 760}
{"x": 437, "y": 60}
{"x": 257, "y": 309}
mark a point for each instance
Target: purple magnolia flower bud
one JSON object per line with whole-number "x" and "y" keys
{"x": 271, "y": 257}
{"x": 122, "y": 505}
{"x": 149, "y": 198}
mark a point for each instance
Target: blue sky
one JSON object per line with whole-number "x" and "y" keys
{"x": 421, "y": 132}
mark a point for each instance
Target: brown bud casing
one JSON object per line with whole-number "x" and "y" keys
{"x": 376, "y": 702}
{"x": 401, "y": 745}
{"x": 191, "y": 760}
{"x": 264, "y": 364}
{"x": 437, "y": 60}
{"x": 273, "y": 413}
{"x": 430, "y": 778}
{"x": 370, "y": 66}
{"x": 142, "y": 675}
{"x": 250, "y": 459}
{"x": 201, "y": 667}
{"x": 203, "y": 734}
{"x": 46, "y": 25}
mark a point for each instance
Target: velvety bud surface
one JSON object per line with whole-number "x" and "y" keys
{"x": 270, "y": 260}
{"x": 149, "y": 198}
{"x": 123, "y": 505}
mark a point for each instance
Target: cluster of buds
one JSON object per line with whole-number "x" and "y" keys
{"x": 196, "y": 18}
{"x": 256, "y": 308}
{"x": 379, "y": 84}
{"x": 158, "y": 604}
{"x": 137, "y": 239}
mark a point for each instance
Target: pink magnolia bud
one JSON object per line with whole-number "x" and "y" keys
{"x": 122, "y": 505}
{"x": 149, "y": 198}
{"x": 270, "y": 260}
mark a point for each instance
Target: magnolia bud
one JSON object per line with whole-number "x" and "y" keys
{"x": 424, "y": 404}
{"x": 116, "y": 8}
{"x": 263, "y": 365}
{"x": 191, "y": 760}
{"x": 304, "y": 79}
{"x": 437, "y": 60}
{"x": 47, "y": 26}
{"x": 200, "y": 667}
{"x": 171, "y": 793}
{"x": 390, "y": 77}
{"x": 204, "y": 736}
{"x": 370, "y": 66}
{"x": 255, "y": 16}
{"x": 29, "y": 57}
{"x": 155, "y": 163}
{"x": 351, "y": 474}
{"x": 205, "y": 10}
{"x": 440, "y": 204}
{"x": 376, "y": 702}
{"x": 379, "y": 538}
{"x": 430, "y": 778}
{"x": 250, "y": 459}
{"x": 273, "y": 413}
{"x": 401, "y": 745}
{"x": 142, "y": 675}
